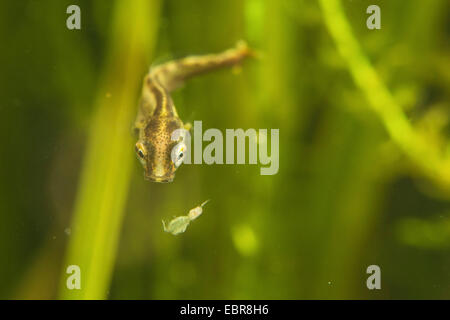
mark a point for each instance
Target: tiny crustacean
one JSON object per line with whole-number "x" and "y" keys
{"x": 157, "y": 117}
{"x": 179, "y": 224}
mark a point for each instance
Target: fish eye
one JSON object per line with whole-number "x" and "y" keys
{"x": 178, "y": 154}
{"x": 140, "y": 150}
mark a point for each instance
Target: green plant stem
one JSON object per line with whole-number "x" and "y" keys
{"x": 105, "y": 176}
{"x": 426, "y": 156}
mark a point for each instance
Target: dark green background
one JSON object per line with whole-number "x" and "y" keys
{"x": 344, "y": 198}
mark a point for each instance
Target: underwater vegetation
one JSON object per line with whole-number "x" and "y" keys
{"x": 364, "y": 152}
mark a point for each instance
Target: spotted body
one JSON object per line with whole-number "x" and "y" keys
{"x": 157, "y": 117}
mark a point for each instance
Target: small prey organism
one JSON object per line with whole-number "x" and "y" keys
{"x": 157, "y": 117}
{"x": 179, "y": 224}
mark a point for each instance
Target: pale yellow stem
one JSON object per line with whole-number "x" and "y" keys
{"x": 105, "y": 175}
{"x": 426, "y": 156}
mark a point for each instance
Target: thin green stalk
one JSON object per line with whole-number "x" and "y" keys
{"x": 105, "y": 176}
{"x": 426, "y": 156}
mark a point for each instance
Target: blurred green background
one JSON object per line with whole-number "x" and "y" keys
{"x": 352, "y": 189}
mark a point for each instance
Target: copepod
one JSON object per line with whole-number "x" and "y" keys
{"x": 179, "y": 224}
